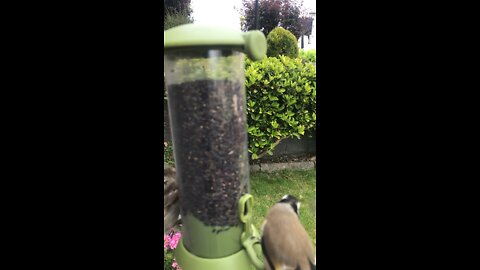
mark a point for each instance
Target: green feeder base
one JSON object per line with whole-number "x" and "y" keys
{"x": 246, "y": 259}
{"x": 188, "y": 261}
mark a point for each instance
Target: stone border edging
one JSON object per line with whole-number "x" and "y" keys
{"x": 269, "y": 167}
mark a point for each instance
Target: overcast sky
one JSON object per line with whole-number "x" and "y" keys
{"x": 222, "y": 12}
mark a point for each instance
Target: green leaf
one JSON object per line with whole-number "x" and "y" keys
{"x": 308, "y": 89}
{"x": 301, "y": 130}
{"x": 272, "y": 98}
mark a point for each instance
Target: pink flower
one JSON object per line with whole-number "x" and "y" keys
{"x": 174, "y": 264}
{"x": 174, "y": 240}
{"x": 170, "y": 241}
{"x": 166, "y": 241}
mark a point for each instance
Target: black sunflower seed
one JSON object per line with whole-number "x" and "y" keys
{"x": 209, "y": 134}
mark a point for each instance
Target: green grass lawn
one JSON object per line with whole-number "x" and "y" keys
{"x": 269, "y": 188}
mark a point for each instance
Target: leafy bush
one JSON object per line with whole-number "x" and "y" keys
{"x": 282, "y": 42}
{"x": 309, "y": 56}
{"x": 281, "y": 101}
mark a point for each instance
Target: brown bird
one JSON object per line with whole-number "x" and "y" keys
{"x": 171, "y": 208}
{"x": 285, "y": 243}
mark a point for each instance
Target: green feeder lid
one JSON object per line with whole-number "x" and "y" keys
{"x": 253, "y": 43}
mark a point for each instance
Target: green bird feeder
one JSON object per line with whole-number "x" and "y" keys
{"x": 205, "y": 81}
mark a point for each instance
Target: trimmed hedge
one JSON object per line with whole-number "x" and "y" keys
{"x": 281, "y": 42}
{"x": 281, "y": 101}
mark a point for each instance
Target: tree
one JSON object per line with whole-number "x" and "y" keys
{"x": 307, "y": 25}
{"x": 176, "y": 12}
{"x": 273, "y": 13}
{"x": 269, "y": 18}
{"x": 290, "y": 17}
{"x": 173, "y": 19}
{"x": 177, "y": 6}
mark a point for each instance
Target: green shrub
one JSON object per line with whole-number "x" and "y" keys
{"x": 309, "y": 56}
{"x": 281, "y": 42}
{"x": 281, "y": 101}
{"x": 167, "y": 260}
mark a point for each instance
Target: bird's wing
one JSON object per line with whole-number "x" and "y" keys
{"x": 295, "y": 250}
